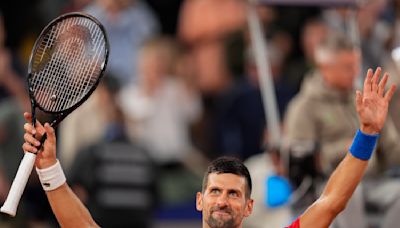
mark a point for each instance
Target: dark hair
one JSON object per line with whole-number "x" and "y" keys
{"x": 229, "y": 165}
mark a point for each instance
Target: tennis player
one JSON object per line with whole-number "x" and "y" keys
{"x": 225, "y": 199}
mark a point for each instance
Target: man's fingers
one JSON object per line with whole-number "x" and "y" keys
{"x": 375, "y": 79}
{"x": 30, "y": 139}
{"x": 390, "y": 92}
{"x": 40, "y": 130}
{"x": 29, "y": 148}
{"x": 367, "y": 81}
{"x": 29, "y": 128}
{"x": 28, "y": 117}
{"x": 39, "y": 127}
{"x": 382, "y": 84}
{"x": 51, "y": 137}
{"x": 358, "y": 99}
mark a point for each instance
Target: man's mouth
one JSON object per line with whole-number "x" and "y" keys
{"x": 221, "y": 213}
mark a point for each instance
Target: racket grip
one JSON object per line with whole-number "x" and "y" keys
{"x": 17, "y": 188}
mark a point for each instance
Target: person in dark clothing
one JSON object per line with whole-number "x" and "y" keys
{"x": 115, "y": 177}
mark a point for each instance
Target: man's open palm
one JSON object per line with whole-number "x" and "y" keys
{"x": 372, "y": 104}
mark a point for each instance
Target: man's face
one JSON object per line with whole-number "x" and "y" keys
{"x": 342, "y": 71}
{"x": 223, "y": 202}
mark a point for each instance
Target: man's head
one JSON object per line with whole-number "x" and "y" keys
{"x": 158, "y": 58}
{"x": 339, "y": 61}
{"x": 225, "y": 197}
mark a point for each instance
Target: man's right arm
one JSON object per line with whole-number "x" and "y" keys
{"x": 68, "y": 209}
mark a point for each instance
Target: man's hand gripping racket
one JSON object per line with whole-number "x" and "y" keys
{"x": 65, "y": 67}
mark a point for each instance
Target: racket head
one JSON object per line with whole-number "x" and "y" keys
{"x": 67, "y": 62}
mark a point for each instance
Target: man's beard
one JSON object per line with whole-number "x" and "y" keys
{"x": 218, "y": 222}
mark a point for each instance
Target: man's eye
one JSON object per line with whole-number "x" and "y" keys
{"x": 233, "y": 194}
{"x": 215, "y": 191}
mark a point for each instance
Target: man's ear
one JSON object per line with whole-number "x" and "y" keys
{"x": 249, "y": 207}
{"x": 199, "y": 201}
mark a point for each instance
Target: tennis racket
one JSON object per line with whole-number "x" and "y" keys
{"x": 66, "y": 64}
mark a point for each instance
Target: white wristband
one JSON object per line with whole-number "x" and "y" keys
{"x": 51, "y": 177}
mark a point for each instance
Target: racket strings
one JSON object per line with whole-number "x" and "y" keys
{"x": 73, "y": 59}
{"x": 89, "y": 69}
{"x": 53, "y": 69}
{"x": 75, "y": 68}
{"x": 68, "y": 63}
{"x": 56, "y": 79}
{"x": 44, "y": 57}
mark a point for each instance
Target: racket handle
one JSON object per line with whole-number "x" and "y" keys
{"x": 18, "y": 185}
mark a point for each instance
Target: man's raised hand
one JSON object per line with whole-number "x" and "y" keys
{"x": 372, "y": 104}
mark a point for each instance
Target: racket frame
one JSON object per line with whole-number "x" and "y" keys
{"x": 11, "y": 204}
{"x": 63, "y": 113}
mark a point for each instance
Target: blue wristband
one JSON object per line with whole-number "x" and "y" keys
{"x": 363, "y": 145}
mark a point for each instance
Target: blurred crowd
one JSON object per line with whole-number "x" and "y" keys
{"x": 182, "y": 87}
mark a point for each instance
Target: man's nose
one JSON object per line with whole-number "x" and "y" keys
{"x": 222, "y": 201}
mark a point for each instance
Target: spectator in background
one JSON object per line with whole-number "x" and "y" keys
{"x": 115, "y": 177}
{"x": 233, "y": 121}
{"x": 373, "y": 32}
{"x": 160, "y": 108}
{"x": 217, "y": 49}
{"x": 324, "y": 109}
{"x": 203, "y": 28}
{"x": 128, "y": 23}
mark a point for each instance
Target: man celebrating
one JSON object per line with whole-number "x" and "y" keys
{"x": 225, "y": 198}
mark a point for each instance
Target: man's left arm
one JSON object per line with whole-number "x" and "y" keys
{"x": 372, "y": 107}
